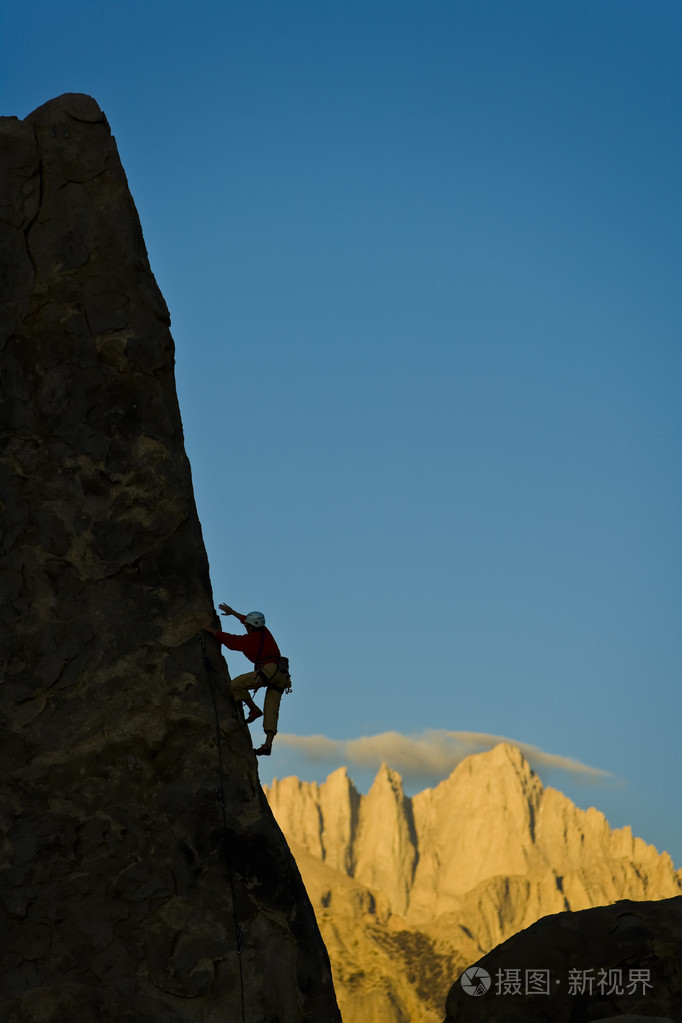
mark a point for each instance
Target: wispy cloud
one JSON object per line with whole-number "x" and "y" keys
{"x": 427, "y": 756}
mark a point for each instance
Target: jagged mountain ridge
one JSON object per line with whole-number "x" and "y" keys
{"x": 458, "y": 868}
{"x": 492, "y": 818}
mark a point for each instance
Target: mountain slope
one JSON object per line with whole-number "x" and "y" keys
{"x": 421, "y": 887}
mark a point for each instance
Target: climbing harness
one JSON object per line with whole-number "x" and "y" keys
{"x": 220, "y": 792}
{"x": 282, "y": 668}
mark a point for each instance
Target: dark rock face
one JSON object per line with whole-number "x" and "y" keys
{"x": 125, "y": 894}
{"x": 613, "y": 962}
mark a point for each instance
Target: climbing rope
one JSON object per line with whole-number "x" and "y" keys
{"x": 213, "y": 684}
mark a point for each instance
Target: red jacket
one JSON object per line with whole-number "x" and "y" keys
{"x": 259, "y": 646}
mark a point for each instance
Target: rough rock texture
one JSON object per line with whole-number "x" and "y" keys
{"x": 123, "y": 892}
{"x": 385, "y": 970}
{"x": 423, "y": 887}
{"x": 619, "y": 962}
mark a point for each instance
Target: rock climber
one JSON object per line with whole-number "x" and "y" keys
{"x": 259, "y": 646}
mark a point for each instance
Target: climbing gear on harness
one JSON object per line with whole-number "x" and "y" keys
{"x": 255, "y": 618}
{"x": 283, "y": 668}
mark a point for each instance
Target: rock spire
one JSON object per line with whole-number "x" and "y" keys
{"x": 126, "y": 896}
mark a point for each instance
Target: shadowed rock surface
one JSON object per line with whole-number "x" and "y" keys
{"x": 621, "y": 940}
{"x": 123, "y": 894}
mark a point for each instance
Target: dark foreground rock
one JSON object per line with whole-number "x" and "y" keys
{"x": 125, "y": 895}
{"x": 614, "y": 962}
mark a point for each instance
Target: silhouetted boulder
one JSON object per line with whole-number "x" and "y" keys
{"x": 618, "y": 962}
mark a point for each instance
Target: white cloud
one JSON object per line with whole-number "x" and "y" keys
{"x": 428, "y": 756}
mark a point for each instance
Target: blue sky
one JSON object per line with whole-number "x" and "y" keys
{"x": 423, "y": 266}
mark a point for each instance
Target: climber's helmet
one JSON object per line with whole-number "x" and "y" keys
{"x": 255, "y": 618}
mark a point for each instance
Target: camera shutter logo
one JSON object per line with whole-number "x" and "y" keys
{"x": 475, "y": 981}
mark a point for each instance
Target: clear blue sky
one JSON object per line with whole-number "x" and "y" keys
{"x": 423, "y": 264}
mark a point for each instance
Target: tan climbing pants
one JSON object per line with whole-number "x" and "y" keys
{"x": 254, "y": 680}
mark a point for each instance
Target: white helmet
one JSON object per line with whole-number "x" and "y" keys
{"x": 255, "y": 618}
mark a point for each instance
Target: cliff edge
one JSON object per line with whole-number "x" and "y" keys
{"x": 126, "y": 894}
